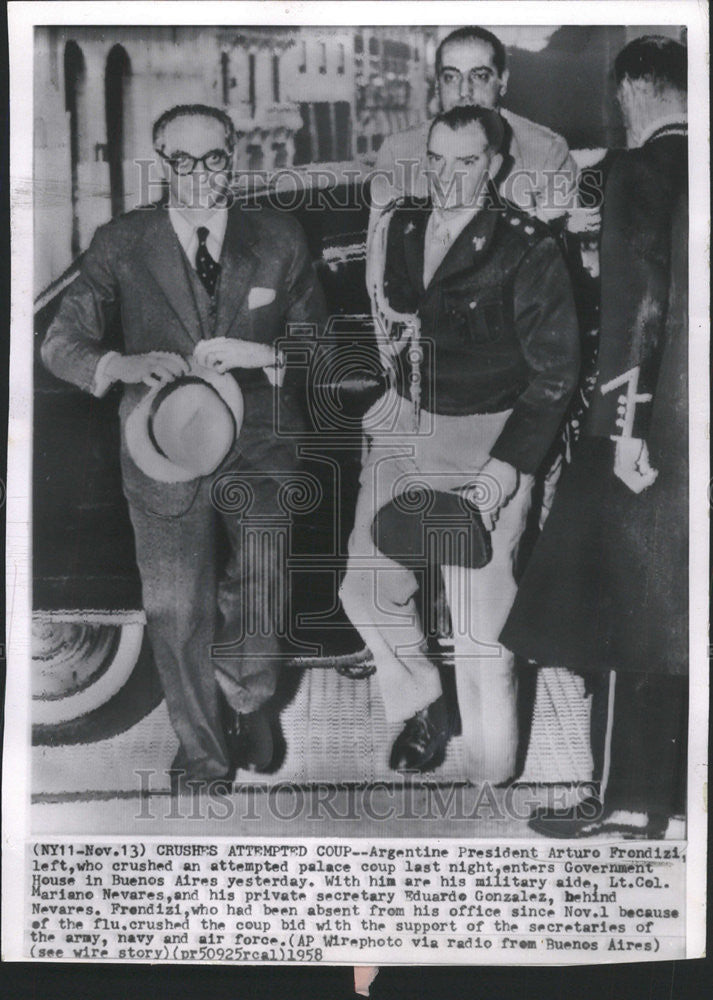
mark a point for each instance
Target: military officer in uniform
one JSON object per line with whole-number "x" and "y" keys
{"x": 492, "y": 296}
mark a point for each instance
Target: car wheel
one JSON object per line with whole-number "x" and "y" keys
{"x": 90, "y": 680}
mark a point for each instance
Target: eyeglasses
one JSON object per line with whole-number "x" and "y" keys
{"x": 453, "y": 77}
{"x": 183, "y": 163}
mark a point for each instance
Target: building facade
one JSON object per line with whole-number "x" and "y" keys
{"x": 394, "y": 76}
{"x": 319, "y": 77}
{"x": 297, "y": 96}
{"x": 97, "y": 94}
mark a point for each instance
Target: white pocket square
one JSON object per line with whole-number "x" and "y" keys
{"x": 260, "y": 297}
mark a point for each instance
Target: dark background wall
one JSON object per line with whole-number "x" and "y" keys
{"x": 569, "y": 87}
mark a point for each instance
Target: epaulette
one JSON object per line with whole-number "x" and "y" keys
{"x": 527, "y": 226}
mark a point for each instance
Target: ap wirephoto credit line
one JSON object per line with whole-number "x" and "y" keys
{"x": 357, "y": 493}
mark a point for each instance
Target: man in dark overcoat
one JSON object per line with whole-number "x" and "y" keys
{"x": 197, "y": 278}
{"x": 607, "y": 586}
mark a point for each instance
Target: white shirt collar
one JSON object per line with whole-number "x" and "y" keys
{"x": 187, "y": 232}
{"x": 678, "y": 119}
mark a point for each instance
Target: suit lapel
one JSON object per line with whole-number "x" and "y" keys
{"x": 237, "y": 262}
{"x": 163, "y": 258}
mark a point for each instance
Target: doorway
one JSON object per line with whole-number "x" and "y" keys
{"x": 117, "y": 82}
{"x": 75, "y": 81}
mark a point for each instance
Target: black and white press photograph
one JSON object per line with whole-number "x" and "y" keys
{"x": 359, "y": 436}
{"x": 358, "y": 488}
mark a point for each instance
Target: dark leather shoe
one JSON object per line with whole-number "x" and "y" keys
{"x": 256, "y": 733}
{"x": 421, "y": 745}
{"x": 566, "y": 824}
{"x": 256, "y": 742}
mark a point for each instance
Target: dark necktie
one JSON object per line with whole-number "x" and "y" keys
{"x": 207, "y": 268}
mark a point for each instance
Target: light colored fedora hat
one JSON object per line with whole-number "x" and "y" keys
{"x": 184, "y": 429}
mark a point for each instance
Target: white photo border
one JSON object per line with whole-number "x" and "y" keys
{"x": 22, "y": 17}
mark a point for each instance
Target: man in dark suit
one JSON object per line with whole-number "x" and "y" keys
{"x": 494, "y": 302}
{"x": 196, "y": 278}
{"x": 607, "y": 586}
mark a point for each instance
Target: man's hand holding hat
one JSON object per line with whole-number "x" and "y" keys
{"x": 154, "y": 368}
{"x": 185, "y": 427}
{"x": 223, "y": 353}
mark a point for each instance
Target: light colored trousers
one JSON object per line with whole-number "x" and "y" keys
{"x": 378, "y": 593}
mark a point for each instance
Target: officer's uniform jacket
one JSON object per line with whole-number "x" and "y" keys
{"x": 500, "y": 314}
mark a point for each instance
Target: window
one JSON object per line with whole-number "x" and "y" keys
{"x": 373, "y": 46}
{"x": 117, "y": 83}
{"x": 397, "y": 50}
{"x": 303, "y": 59}
{"x": 358, "y": 44}
{"x": 304, "y": 136}
{"x": 325, "y": 135}
{"x": 322, "y": 57}
{"x": 75, "y": 79}
{"x": 343, "y": 130}
{"x": 361, "y": 144}
{"x": 276, "y": 79}
{"x": 256, "y": 157}
{"x": 251, "y": 84}
{"x": 341, "y": 60}
{"x": 279, "y": 155}
{"x": 225, "y": 76}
